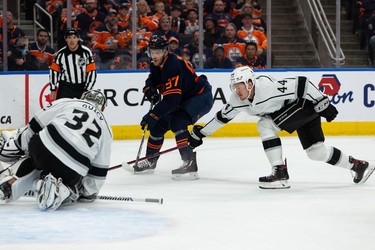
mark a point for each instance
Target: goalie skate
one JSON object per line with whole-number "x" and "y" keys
{"x": 188, "y": 170}
{"x": 277, "y": 180}
{"x": 51, "y": 193}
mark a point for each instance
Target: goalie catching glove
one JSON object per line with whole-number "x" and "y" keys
{"x": 325, "y": 109}
{"x": 195, "y": 138}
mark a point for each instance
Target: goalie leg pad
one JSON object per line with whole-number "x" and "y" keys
{"x": 22, "y": 181}
{"x": 13, "y": 168}
{"x": 24, "y": 184}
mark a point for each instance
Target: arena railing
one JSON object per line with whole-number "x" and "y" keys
{"x": 37, "y": 23}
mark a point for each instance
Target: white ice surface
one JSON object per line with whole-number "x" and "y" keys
{"x": 225, "y": 209}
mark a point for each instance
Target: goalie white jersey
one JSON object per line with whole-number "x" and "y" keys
{"x": 270, "y": 96}
{"x": 77, "y": 133}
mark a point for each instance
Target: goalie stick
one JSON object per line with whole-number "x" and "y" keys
{"x": 31, "y": 193}
{"x": 127, "y": 167}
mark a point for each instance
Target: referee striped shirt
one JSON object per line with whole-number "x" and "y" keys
{"x": 74, "y": 67}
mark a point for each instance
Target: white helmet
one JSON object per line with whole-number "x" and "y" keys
{"x": 242, "y": 74}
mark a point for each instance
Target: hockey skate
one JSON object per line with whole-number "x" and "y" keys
{"x": 362, "y": 170}
{"x": 277, "y": 180}
{"x": 145, "y": 166}
{"x": 51, "y": 193}
{"x": 188, "y": 170}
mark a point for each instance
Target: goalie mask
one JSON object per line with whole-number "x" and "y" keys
{"x": 95, "y": 97}
{"x": 242, "y": 74}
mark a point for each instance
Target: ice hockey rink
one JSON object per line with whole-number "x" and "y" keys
{"x": 225, "y": 209}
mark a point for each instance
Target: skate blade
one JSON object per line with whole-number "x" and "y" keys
{"x": 145, "y": 172}
{"x": 187, "y": 176}
{"x": 274, "y": 185}
{"x": 369, "y": 171}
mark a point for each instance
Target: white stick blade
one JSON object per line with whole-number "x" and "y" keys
{"x": 128, "y": 168}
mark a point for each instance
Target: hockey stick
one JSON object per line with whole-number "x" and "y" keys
{"x": 141, "y": 145}
{"x": 127, "y": 167}
{"x": 143, "y": 139}
{"x": 131, "y": 199}
{"x": 32, "y": 193}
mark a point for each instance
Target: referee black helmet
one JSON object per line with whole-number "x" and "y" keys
{"x": 71, "y": 32}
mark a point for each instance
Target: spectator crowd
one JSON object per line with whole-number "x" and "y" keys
{"x": 234, "y": 33}
{"x": 362, "y": 14}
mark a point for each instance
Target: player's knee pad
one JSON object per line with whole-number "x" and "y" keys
{"x": 318, "y": 152}
{"x": 267, "y": 128}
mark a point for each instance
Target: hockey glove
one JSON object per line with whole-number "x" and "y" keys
{"x": 325, "y": 109}
{"x": 150, "y": 119}
{"x": 151, "y": 92}
{"x": 195, "y": 137}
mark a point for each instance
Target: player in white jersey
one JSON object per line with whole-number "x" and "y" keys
{"x": 67, "y": 148}
{"x": 290, "y": 104}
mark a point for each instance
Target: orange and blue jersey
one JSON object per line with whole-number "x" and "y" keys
{"x": 45, "y": 56}
{"x": 123, "y": 21}
{"x": 176, "y": 81}
{"x": 103, "y": 37}
{"x": 13, "y": 33}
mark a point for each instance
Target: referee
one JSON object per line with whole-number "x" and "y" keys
{"x": 73, "y": 70}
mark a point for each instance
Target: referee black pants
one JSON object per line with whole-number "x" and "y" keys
{"x": 70, "y": 90}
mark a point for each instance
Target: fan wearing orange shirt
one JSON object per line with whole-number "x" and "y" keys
{"x": 248, "y": 33}
{"x": 110, "y": 40}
